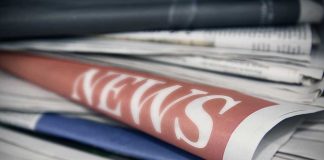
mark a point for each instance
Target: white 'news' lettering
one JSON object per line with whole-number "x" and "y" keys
{"x": 194, "y": 110}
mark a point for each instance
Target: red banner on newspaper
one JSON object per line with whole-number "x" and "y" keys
{"x": 197, "y": 118}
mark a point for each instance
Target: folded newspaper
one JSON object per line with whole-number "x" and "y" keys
{"x": 297, "y": 40}
{"x": 22, "y": 146}
{"x": 279, "y": 54}
{"x": 209, "y": 121}
{"x": 309, "y": 132}
{"x": 292, "y": 39}
{"x": 310, "y": 94}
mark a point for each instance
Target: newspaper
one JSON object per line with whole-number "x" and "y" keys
{"x": 305, "y": 142}
{"x": 22, "y": 146}
{"x": 13, "y": 152}
{"x": 268, "y": 146}
{"x": 290, "y": 39}
{"x": 274, "y": 91}
{"x": 308, "y": 149}
{"x": 277, "y": 137}
{"x": 28, "y": 120}
{"x": 105, "y": 45}
{"x": 249, "y": 61}
{"x": 249, "y": 68}
{"x": 317, "y": 57}
{"x": 201, "y": 118}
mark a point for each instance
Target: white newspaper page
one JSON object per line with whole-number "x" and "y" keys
{"x": 284, "y": 156}
{"x": 11, "y": 151}
{"x": 247, "y": 67}
{"x": 30, "y": 120}
{"x": 291, "y": 39}
{"x": 104, "y": 45}
{"x": 304, "y": 148}
{"x": 274, "y": 139}
{"x": 311, "y": 135}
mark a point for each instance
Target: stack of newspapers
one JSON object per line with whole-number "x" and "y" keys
{"x": 162, "y": 80}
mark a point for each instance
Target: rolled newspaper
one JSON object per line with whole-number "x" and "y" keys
{"x": 211, "y": 122}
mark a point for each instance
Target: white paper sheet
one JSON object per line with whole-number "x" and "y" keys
{"x": 304, "y": 148}
{"x": 95, "y": 45}
{"x": 290, "y": 39}
{"x": 248, "y": 68}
